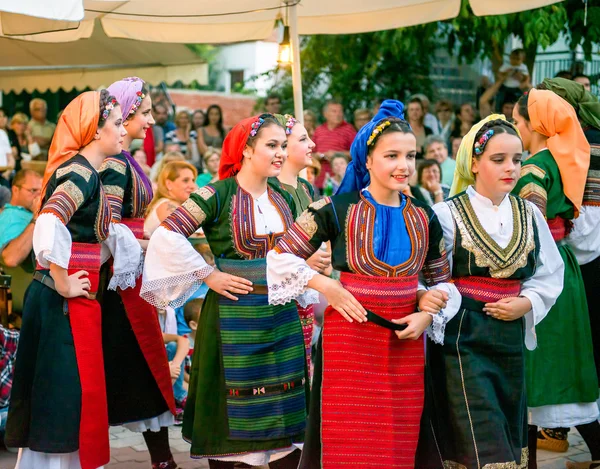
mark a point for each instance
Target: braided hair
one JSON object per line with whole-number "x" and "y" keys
{"x": 396, "y": 125}
{"x": 498, "y": 126}
{"x": 105, "y": 99}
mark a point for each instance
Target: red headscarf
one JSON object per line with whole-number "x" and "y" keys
{"x": 233, "y": 147}
{"x": 552, "y": 116}
{"x": 75, "y": 129}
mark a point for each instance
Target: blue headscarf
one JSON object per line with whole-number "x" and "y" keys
{"x": 357, "y": 177}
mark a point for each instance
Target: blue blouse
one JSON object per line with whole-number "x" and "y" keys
{"x": 391, "y": 241}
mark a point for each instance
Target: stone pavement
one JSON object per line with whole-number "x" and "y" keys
{"x": 128, "y": 451}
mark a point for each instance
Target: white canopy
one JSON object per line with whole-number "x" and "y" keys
{"x": 94, "y": 62}
{"x": 210, "y": 21}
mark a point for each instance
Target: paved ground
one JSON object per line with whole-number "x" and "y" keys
{"x": 128, "y": 451}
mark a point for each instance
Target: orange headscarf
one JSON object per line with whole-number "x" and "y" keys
{"x": 552, "y": 116}
{"x": 75, "y": 129}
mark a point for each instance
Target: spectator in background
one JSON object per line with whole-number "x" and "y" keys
{"x": 564, "y": 74}
{"x": 437, "y": 149}
{"x": 361, "y": 118}
{"x": 429, "y": 178}
{"x": 16, "y": 236}
{"x": 465, "y": 117}
{"x": 339, "y": 163}
{"x": 28, "y": 147}
{"x": 212, "y": 159}
{"x": 41, "y": 129}
{"x": 334, "y": 136}
{"x": 455, "y": 145}
{"x": 416, "y": 118}
{"x": 444, "y": 109}
{"x": 273, "y": 104}
{"x": 5, "y": 196}
{"x": 515, "y": 72}
{"x": 310, "y": 122}
{"x": 198, "y": 119}
{"x": 161, "y": 117}
{"x": 429, "y": 120}
{"x": 12, "y": 138}
{"x": 583, "y": 80}
{"x": 185, "y": 137}
{"x": 159, "y": 165}
{"x": 9, "y": 340}
{"x": 176, "y": 181}
{"x": 213, "y": 132}
{"x": 140, "y": 156}
{"x": 376, "y": 106}
{"x": 312, "y": 172}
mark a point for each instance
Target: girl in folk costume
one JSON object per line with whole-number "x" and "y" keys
{"x": 506, "y": 266}
{"x": 58, "y": 411}
{"x": 299, "y": 150}
{"x": 562, "y": 386}
{"x": 247, "y": 397}
{"x": 138, "y": 381}
{"x": 584, "y": 239}
{"x": 368, "y": 384}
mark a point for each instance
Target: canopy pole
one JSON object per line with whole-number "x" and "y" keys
{"x": 296, "y": 69}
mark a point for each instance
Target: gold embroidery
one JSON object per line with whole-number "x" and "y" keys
{"x": 501, "y": 262}
{"x": 595, "y": 150}
{"x": 496, "y": 465}
{"x": 533, "y": 169}
{"x": 319, "y": 204}
{"x": 442, "y": 246}
{"x": 115, "y": 165}
{"x": 536, "y": 194}
{"x": 194, "y": 209}
{"x": 205, "y": 193}
{"x": 76, "y": 168}
{"x": 74, "y": 192}
{"x": 117, "y": 191}
{"x": 307, "y": 222}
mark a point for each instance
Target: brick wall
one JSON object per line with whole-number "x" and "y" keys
{"x": 235, "y": 106}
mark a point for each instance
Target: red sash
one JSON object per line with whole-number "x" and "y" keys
{"x": 373, "y": 383}
{"x": 86, "y": 326}
{"x": 307, "y": 318}
{"x": 487, "y": 289}
{"x": 559, "y": 227}
{"x": 145, "y": 326}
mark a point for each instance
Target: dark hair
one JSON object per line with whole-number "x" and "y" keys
{"x": 445, "y": 103}
{"x": 523, "y": 103}
{"x": 198, "y": 111}
{"x": 144, "y": 91}
{"x": 273, "y": 96}
{"x": 220, "y": 123}
{"x": 580, "y": 75}
{"x": 396, "y": 125}
{"x": 22, "y": 175}
{"x": 4, "y": 111}
{"x": 105, "y": 98}
{"x": 268, "y": 121}
{"x": 499, "y": 126}
{"x": 517, "y": 51}
{"x": 423, "y": 165}
{"x": 564, "y": 74}
{"x": 191, "y": 310}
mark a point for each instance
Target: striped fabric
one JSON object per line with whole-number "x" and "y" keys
{"x": 477, "y": 291}
{"x": 591, "y": 196}
{"x": 264, "y": 361}
{"x": 85, "y": 256}
{"x": 559, "y": 228}
{"x": 373, "y": 383}
{"x": 136, "y": 225}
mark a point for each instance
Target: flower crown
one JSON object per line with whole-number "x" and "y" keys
{"x": 255, "y": 127}
{"x": 138, "y": 101}
{"x": 289, "y": 123}
{"x": 109, "y": 107}
{"x": 377, "y": 131}
{"x": 480, "y": 144}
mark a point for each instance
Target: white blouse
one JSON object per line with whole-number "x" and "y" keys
{"x": 544, "y": 287}
{"x": 585, "y": 237}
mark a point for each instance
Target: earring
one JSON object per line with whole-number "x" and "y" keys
{"x": 126, "y": 123}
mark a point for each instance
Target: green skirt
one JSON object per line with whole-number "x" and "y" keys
{"x": 561, "y": 369}
{"x": 206, "y": 422}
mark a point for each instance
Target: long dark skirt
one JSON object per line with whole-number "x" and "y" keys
{"x": 132, "y": 392}
{"x": 591, "y": 279}
{"x": 475, "y": 406}
{"x": 45, "y": 421}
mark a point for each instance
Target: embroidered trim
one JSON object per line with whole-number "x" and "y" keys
{"x": 140, "y": 196}
{"x": 536, "y": 194}
{"x": 437, "y": 329}
{"x": 437, "y": 270}
{"x": 64, "y": 202}
{"x": 533, "y": 169}
{"x": 591, "y": 195}
{"x": 307, "y": 222}
{"x": 291, "y": 287}
{"x": 360, "y": 228}
{"x": 114, "y": 190}
{"x": 114, "y": 164}
{"x": 103, "y": 216}
{"x": 186, "y": 219}
{"x": 85, "y": 173}
{"x": 205, "y": 192}
{"x": 502, "y": 263}
{"x": 496, "y": 465}
{"x": 319, "y": 204}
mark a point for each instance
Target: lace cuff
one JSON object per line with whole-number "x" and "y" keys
{"x": 51, "y": 241}
{"x": 437, "y": 328}
{"x": 173, "y": 270}
{"x": 128, "y": 257}
{"x": 287, "y": 277}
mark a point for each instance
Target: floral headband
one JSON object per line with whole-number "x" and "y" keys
{"x": 480, "y": 144}
{"x": 256, "y": 126}
{"x": 109, "y": 107}
{"x": 289, "y": 123}
{"x": 377, "y": 131}
{"x": 137, "y": 103}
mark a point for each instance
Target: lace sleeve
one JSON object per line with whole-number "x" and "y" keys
{"x": 128, "y": 259}
{"x": 287, "y": 277}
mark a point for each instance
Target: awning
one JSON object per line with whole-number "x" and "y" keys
{"x": 94, "y": 62}
{"x": 210, "y": 21}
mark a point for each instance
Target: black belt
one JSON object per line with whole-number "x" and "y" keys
{"x": 381, "y": 321}
{"x": 45, "y": 279}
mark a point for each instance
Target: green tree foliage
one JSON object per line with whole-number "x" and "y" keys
{"x": 581, "y": 30}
